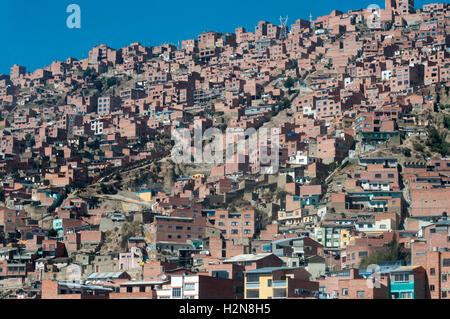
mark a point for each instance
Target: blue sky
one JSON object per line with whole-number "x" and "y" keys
{"x": 34, "y": 33}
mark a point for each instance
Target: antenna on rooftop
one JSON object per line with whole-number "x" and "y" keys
{"x": 284, "y": 28}
{"x": 311, "y": 21}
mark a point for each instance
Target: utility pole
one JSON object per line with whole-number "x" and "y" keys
{"x": 284, "y": 27}
{"x": 311, "y": 21}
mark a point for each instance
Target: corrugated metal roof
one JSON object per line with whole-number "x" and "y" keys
{"x": 105, "y": 275}
{"x": 268, "y": 270}
{"x": 404, "y": 268}
{"x": 247, "y": 257}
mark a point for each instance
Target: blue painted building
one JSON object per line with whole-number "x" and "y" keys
{"x": 407, "y": 282}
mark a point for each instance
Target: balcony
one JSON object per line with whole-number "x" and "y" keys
{"x": 252, "y": 285}
{"x": 164, "y": 293}
{"x": 402, "y": 286}
{"x": 279, "y": 284}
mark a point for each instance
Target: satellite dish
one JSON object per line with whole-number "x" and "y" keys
{"x": 163, "y": 277}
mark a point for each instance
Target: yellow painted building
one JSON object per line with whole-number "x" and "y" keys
{"x": 145, "y": 195}
{"x": 345, "y": 237}
{"x": 130, "y": 207}
{"x": 309, "y": 219}
{"x": 276, "y": 282}
{"x": 290, "y": 217}
{"x": 219, "y": 43}
{"x": 264, "y": 287}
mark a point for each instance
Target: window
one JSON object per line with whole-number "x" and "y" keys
{"x": 269, "y": 283}
{"x": 444, "y": 294}
{"x": 344, "y": 291}
{"x": 446, "y": 262}
{"x": 401, "y": 277}
{"x": 360, "y": 293}
{"x": 189, "y": 286}
{"x": 362, "y": 254}
{"x": 129, "y": 289}
{"x": 444, "y": 277}
{"x": 142, "y": 289}
{"x": 432, "y": 271}
{"x": 252, "y": 294}
{"x": 281, "y": 293}
{"x": 176, "y": 292}
{"x": 220, "y": 274}
{"x": 431, "y": 287}
{"x": 252, "y": 278}
{"x": 406, "y": 295}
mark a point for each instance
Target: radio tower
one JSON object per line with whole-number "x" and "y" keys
{"x": 311, "y": 20}
{"x": 284, "y": 28}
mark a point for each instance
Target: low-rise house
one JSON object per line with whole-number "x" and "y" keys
{"x": 279, "y": 283}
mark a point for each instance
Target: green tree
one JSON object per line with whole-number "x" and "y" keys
{"x": 111, "y": 82}
{"x": 392, "y": 252}
{"x": 447, "y": 122}
{"x": 437, "y": 142}
{"x": 98, "y": 85}
{"x": 285, "y": 103}
{"x": 418, "y": 147}
{"x": 289, "y": 83}
{"x": 52, "y": 233}
{"x": 129, "y": 230}
{"x": 88, "y": 72}
{"x": 281, "y": 195}
{"x": 407, "y": 152}
{"x": 104, "y": 188}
